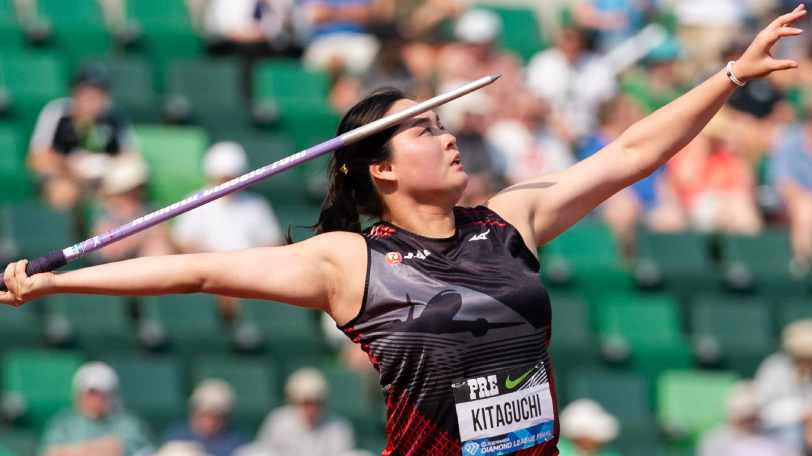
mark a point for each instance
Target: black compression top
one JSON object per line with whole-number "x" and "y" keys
{"x": 458, "y": 329}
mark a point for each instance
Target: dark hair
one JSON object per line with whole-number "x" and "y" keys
{"x": 352, "y": 194}
{"x": 94, "y": 74}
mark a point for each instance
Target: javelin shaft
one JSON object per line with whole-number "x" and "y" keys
{"x": 59, "y": 258}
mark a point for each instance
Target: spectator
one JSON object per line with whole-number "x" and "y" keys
{"x": 784, "y": 384}
{"x": 529, "y": 144}
{"x": 303, "y": 427}
{"x": 716, "y": 184}
{"x": 97, "y": 424}
{"x": 476, "y": 54}
{"x": 250, "y": 28}
{"x": 652, "y": 200}
{"x": 75, "y": 139}
{"x": 573, "y": 79}
{"x": 237, "y": 221}
{"x": 610, "y": 22}
{"x": 210, "y": 413}
{"x": 586, "y": 429}
{"x": 791, "y": 175}
{"x": 741, "y": 435}
{"x": 659, "y": 80}
{"x": 339, "y": 41}
{"x": 123, "y": 190}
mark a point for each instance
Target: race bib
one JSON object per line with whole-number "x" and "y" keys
{"x": 504, "y": 412}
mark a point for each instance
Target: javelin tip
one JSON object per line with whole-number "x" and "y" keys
{"x": 494, "y": 77}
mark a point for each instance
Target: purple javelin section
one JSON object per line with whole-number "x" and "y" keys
{"x": 199, "y": 199}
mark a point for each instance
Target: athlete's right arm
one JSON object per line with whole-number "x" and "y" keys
{"x": 326, "y": 272}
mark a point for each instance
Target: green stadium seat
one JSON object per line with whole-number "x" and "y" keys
{"x": 175, "y": 156}
{"x": 78, "y": 28}
{"x": 624, "y": 394}
{"x": 256, "y": 382}
{"x": 166, "y": 33}
{"x": 133, "y": 88}
{"x": 193, "y": 80}
{"x": 298, "y": 218}
{"x": 287, "y": 331}
{"x": 681, "y": 260}
{"x": 647, "y": 328}
{"x": 691, "y": 401}
{"x": 97, "y": 324}
{"x": 520, "y": 30}
{"x": 42, "y": 378}
{"x": 573, "y": 344}
{"x": 32, "y": 79}
{"x": 21, "y": 328}
{"x": 586, "y": 258}
{"x": 192, "y": 322}
{"x": 36, "y": 229}
{"x": 15, "y": 181}
{"x": 151, "y": 387}
{"x": 12, "y": 34}
{"x": 735, "y": 332}
{"x": 760, "y": 263}
{"x": 290, "y": 87}
{"x": 350, "y": 398}
{"x": 18, "y": 441}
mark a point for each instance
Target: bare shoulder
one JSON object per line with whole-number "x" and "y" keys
{"x": 337, "y": 245}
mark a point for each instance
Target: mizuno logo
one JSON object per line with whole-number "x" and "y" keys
{"x": 480, "y": 236}
{"x": 510, "y": 384}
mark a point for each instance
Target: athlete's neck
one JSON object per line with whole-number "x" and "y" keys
{"x": 427, "y": 221}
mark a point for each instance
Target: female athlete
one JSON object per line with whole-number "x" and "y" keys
{"x": 446, "y": 300}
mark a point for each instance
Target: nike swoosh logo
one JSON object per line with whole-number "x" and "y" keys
{"x": 510, "y": 384}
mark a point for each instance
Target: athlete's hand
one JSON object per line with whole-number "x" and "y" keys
{"x": 757, "y": 61}
{"x": 21, "y": 287}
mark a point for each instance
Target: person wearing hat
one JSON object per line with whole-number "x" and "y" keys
{"x": 783, "y": 382}
{"x": 236, "y": 221}
{"x": 123, "y": 195}
{"x": 587, "y": 428}
{"x": 741, "y": 435}
{"x": 97, "y": 424}
{"x": 75, "y": 139}
{"x": 210, "y": 407}
{"x": 303, "y": 427}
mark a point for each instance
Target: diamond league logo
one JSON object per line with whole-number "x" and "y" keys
{"x": 471, "y": 447}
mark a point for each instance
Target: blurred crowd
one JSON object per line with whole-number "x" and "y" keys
{"x": 605, "y": 65}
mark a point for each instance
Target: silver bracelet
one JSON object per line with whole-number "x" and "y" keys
{"x": 732, "y": 77}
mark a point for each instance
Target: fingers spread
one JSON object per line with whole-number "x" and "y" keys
{"x": 789, "y": 18}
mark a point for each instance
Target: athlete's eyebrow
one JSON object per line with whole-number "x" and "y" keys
{"x": 417, "y": 121}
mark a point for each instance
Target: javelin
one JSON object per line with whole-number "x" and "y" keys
{"x": 59, "y": 258}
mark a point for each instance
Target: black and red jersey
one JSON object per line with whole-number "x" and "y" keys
{"x": 440, "y": 312}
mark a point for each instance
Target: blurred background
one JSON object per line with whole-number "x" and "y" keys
{"x": 680, "y": 306}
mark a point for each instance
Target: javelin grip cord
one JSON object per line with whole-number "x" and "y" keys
{"x": 57, "y": 259}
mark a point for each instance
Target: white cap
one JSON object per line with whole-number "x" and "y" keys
{"x": 213, "y": 395}
{"x": 478, "y": 26}
{"x": 306, "y": 384}
{"x": 95, "y": 375}
{"x": 125, "y": 173}
{"x": 179, "y": 448}
{"x": 225, "y": 159}
{"x": 797, "y": 338}
{"x": 742, "y": 401}
{"x": 585, "y": 418}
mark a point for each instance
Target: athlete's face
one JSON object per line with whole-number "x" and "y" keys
{"x": 425, "y": 155}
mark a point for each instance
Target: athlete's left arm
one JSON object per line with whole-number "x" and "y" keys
{"x": 545, "y": 207}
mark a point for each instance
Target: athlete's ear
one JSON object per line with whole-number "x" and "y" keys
{"x": 383, "y": 172}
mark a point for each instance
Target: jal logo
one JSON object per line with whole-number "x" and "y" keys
{"x": 394, "y": 258}
{"x": 471, "y": 447}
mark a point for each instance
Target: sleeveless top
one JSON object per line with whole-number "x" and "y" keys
{"x": 458, "y": 329}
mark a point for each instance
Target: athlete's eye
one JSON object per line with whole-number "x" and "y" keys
{"x": 426, "y": 130}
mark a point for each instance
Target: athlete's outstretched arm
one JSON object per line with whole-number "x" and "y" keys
{"x": 318, "y": 273}
{"x": 545, "y": 207}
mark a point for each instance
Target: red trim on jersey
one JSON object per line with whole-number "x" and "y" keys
{"x": 381, "y": 231}
{"x": 355, "y": 336}
{"x": 414, "y": 431}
